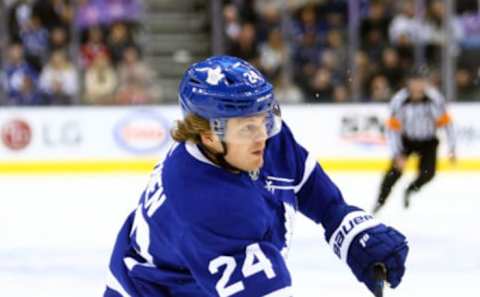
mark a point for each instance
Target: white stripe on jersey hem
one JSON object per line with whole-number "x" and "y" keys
{"x": 354, "y": 228}
{"x": 195, "y": 152}
{"x": 284, "y": 292}
{"x": 310, "y": 164}
{"x": 113, "y": 284}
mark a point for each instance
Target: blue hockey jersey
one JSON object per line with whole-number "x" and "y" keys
{"x": 200, "y": 230}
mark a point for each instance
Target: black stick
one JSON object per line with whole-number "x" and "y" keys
{"x": 380, "y": 275}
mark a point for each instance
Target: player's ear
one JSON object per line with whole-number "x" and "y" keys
{"x": 206, "y": 137}
{"x": 211, "y": 141}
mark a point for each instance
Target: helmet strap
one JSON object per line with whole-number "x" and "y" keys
{"x": 218, "y": 158}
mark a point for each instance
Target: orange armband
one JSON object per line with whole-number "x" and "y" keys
{"x": 443, "y": 120}
{"x": 394, "y": 124}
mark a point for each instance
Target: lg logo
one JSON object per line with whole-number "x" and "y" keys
{"x": 17, "y": 134}
{"x": 62, "y": 134}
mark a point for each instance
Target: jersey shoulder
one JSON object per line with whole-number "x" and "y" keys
{"x": 399, "y": 98}
{"x": 434, "y": 94}
{"x": 284, "y": 156}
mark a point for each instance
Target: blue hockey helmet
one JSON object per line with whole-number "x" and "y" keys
{"x": 224, "y": 87}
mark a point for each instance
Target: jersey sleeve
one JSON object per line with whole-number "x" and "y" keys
{"x": 317, "y": 195}
{"x": 225, "y": 265}
{"x": 321, "y": 200}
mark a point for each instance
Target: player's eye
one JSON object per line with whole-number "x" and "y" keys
{"x": 249, "y": 128}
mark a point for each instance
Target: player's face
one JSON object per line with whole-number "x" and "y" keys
{"x": 246, "y": 138}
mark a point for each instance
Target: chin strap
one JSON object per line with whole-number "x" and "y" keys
{"x": 218, "y": 158}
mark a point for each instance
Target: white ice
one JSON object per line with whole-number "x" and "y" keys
{"x": 57, "y": 233}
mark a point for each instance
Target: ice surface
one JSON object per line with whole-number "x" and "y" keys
{"x": 58, "y": 231}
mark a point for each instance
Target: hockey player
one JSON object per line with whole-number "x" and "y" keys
{"x": 417, "y": 111}
{"x": 216, "y": 218}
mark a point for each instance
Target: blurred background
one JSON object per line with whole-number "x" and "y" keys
{"x": 127, "y": 52}
{"x": 88, "y": 94}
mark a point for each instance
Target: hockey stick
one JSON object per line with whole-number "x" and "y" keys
{"x": 380, "y": 275}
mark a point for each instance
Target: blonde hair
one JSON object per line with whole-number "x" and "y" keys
{"x": 190, "y": 129}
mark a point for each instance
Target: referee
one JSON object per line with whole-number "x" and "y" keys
{"x": 417, "y": 111}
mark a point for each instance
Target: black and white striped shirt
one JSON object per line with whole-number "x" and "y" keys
{"x": 418, "y": 120}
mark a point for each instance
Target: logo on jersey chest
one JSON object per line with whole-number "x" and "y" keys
{"x": 274, "y": 183}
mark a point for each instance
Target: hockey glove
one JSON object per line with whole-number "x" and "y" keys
{"x": 363, "y": 242}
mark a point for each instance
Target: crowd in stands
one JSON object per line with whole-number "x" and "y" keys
{"x": 306, "y": 54}
{"x": 62, "y": 52}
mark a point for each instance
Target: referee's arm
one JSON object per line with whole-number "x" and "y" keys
{"x": 394, "y": 125}
{"x": 443, "y": 118}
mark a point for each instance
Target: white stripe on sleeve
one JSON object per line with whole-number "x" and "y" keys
{"x": 310, "y": 164}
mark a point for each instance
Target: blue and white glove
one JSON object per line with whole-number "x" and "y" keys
{"x": 362, "y": 242}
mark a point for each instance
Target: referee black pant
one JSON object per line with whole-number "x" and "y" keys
{"x": 427, "y": 152}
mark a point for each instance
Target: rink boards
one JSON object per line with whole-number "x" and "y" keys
{"x": 347, "y": 137}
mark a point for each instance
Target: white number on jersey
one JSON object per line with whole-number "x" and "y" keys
{"x": 154, "y": 194}
{"x": 253, "y": 253}
{"x": 222, "y": 288}
{"x": 154, "y": 198}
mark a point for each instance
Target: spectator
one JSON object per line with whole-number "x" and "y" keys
{"x": 54, "y": 13}
{"x": 118, "y": 40}
{"x": 390, "y": 68}
{"x": 334, "y": 15}
{"x": 435, "y": 36}
{"x": 247, "y": 11}
{"x": 309, "y": 24}
{"x": 287, "y": 92}
{"x": 58, "y": 79}
{"x": 19, "y": 79}
{"x": 28, "y": 94}
{"x": 321, "y": 88}
{"x": 268, "y": 21}
{"x": 273, "y": 54}
{"x": 246, "y": 45}
{"x": 100, "y": 81}
{"x": 467, "y": 89}
{"x": 374, "y": 30}
{"x": 35, "y": 41}
{"x": 337, "y": 49}
{"x": 362, "y": 74}
{"x": 380, "y": 90}
{"x": 136, "y": 80}
{"x": 59, "y": 40}
{"x": 340, "y": 93}
{"x": 405, "y": 30}
{"x": 93, "y": 47}
{"x": 19, "y": 14}
{"x": 232, "y": 23}
{"x": 306, "y": 60}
